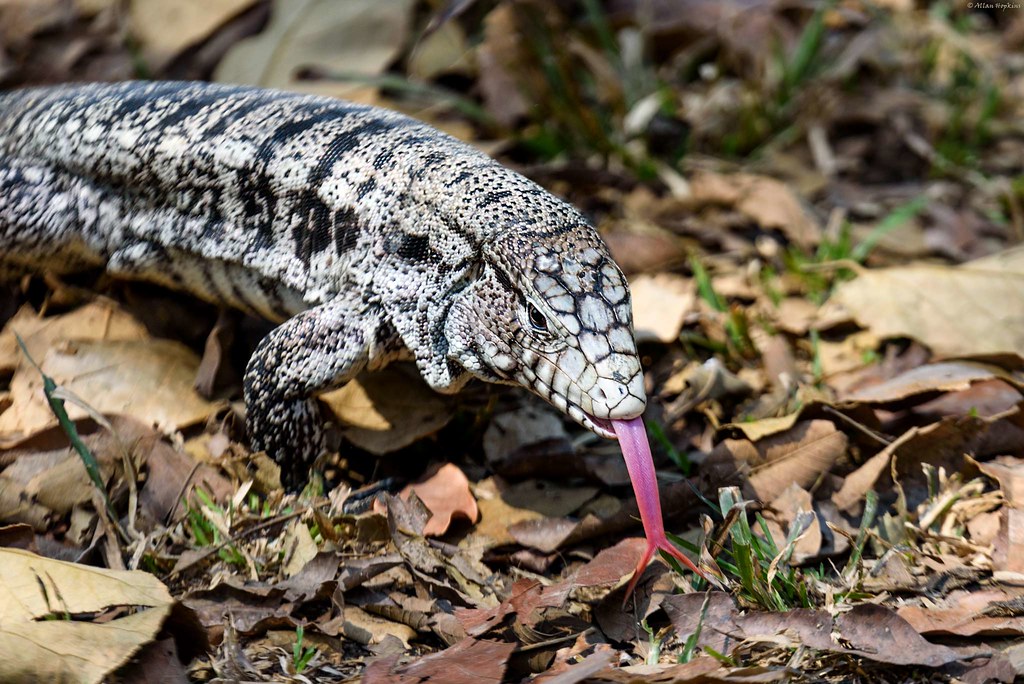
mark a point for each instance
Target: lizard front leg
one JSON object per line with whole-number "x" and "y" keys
{"x": 315, "y": 351}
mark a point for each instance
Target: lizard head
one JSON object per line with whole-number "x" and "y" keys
{"x": 552, "y": 314}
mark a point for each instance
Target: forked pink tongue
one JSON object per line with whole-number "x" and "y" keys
{"x": 636, "y": 450}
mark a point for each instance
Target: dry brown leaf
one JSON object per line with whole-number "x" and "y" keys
{"x": 987, "y": 399}
{"x": 47, "y": 472}
{"x": 388, "y": 409}
{"x": 949, "y": 376}
{"x": 660, "y": 305}
{"x": 940, "y": 444}
{"x": 799, "y": 455}
{"x": 495, "y": 56}
{"x": 470, "y": 661}
{"x": 165, "y": 29}
{"x": 171, "y": 478}
{"x": 644, "y": 252}
{"x": 364, "y": 628}
{"x": 519, "y": 442}
{"x": 34, "y": 589}
{"x": 526, "y": 599}
{"x": 442, "y": 51}
{"x": 19, "y": 21}
{"x": 765, "y": 200}
{"x": 795, "y": 315}
{"x": 989, "y": 612}
{"x": 496, "y": 516}
{"x": 1008, "y": 471}
{"x": 847, "y": 354}
{"x": 969, "y": 310}
{"x": 1008, "y": 551}
{"x": 149, "y": 380}
{"x": 548, "y": 498}
{"x": 298, "y": 547}
{"x": 783, "y": 512}
{"x": 355, "y": 37}
{"x": 445, "y": 492}
{"x": 98, "y": 320}
{"x": 869, "y": 631}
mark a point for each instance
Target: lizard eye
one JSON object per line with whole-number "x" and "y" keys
{"x": 537, "y": 319}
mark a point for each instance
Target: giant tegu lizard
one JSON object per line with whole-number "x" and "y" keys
{"x": 367, "y": 235}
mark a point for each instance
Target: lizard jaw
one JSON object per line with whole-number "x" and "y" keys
{"x": 599, "y": 426}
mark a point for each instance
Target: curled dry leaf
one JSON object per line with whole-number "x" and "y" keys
{"x": 948, "y": 376}
{"x": 468, "y": 662}
{"x": 299, "y": 548}
{"x": 520, "y": 442}
{"x": 1008, "y": 471}
{"x": 1008, "y": 547}
{"x": 789, "y": 509}
{"x": 98, "y": 320}
{"x": 941, "y": 444}
{"x": 367, "y": 629}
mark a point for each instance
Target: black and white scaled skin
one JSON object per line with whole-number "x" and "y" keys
{"x": 367, "y": 235}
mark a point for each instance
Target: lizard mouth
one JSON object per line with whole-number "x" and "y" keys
{"x": 600, "y": 426}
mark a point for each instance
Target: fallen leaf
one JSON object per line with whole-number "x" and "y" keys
{"x": 172, "y": 476}
{"x": 1008, "y": 471}
{"x": 496, "y": 516}
{"x": 359, "y": 38}
{"x": 783, "y": 512}
{"x": 1008, "y": 547}
{"x": 20, "y": 21}
{"x": 298, "y": 547}
{"x": 847, "y": 354}
{"x": 986, "y": 399}
{"x": 149, "y": 380}
{"x": 644, "y": 252}
{"x": 987, "y": 612}
{"x": 940, "y": 444}
{"x": 949, "y": 376}
{"x": 366, "y": 629}
{"x": 795, "y": 315}
{"x": 445, "y": 491}
{"x": 869, "y": 631}
{"x": 954, "y": 310}
{"x": 520, "y": 442}
{"x": 468, "y": 662}
{"x": 767, "y": 201}
{"x": 388, "y": 409}
{"x": 98, "y": 320}
{"x": 165, "y": 29}
{"x": 37, "y": 647}
{"x": 442, "y": 51}
{"x": 526, "y": 598}
{"x": 798, "y": 455}
{"x": 660, "y": 304}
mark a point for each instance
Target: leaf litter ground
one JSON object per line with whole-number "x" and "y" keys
{"x": 820, "y": 211}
